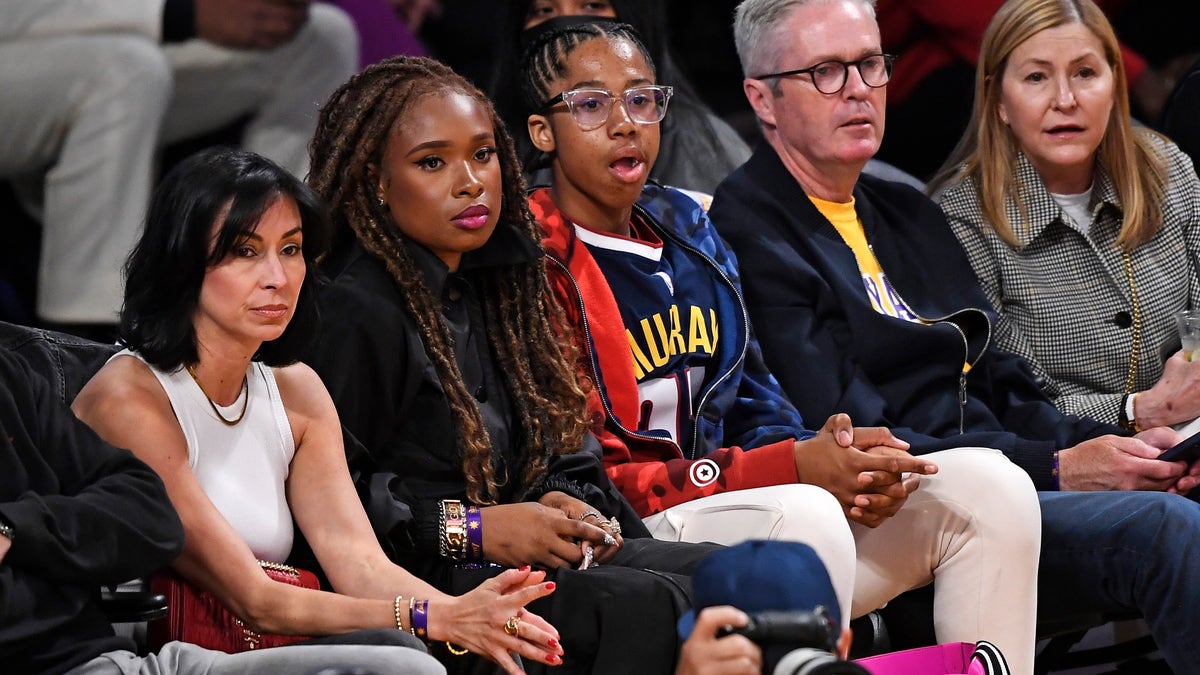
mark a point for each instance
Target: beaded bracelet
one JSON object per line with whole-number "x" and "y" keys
{"x": 474, "y": 533}
{"x": 396, "y": 609}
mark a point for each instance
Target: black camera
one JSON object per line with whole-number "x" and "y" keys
{"x": 794, "y": 629}
{"x": 796, "y": 642}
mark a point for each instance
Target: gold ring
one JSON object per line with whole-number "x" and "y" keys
{"x": 513, "y": 626}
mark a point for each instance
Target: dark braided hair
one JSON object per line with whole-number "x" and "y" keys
{"x": 523, "y": 327}
{"x": 545, "y": 60}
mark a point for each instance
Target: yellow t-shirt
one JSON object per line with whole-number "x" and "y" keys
{"x": 883, "y": 297}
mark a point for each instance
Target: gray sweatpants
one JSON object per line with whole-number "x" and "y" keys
{"x": 181, "y": 658}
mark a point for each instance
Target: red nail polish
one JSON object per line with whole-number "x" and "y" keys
{"x": 549, "y": 585}
{"x": 553, "y": 658}
{"x": 524, "y": 568}
{"x": 553, "y": 643}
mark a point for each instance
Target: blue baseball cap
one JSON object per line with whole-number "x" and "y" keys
{"x": 759, "y": 576}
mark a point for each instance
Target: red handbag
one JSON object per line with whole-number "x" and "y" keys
{"x": 197, "y": 617}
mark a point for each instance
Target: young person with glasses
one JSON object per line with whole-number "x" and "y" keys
{"x": 697, "y": 148}
{"x": 696, "y": 432}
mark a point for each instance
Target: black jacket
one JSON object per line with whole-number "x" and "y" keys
{"x": 404, "y": 449}
{"x": 84, "y": 514}
{"x": 831, "y": 350}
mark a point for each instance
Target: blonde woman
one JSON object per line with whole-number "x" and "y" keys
{"x": 1083, "y": 229}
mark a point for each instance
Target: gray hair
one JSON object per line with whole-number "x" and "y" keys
{"x": 758, "y": 32}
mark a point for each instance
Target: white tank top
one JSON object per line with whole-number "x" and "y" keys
{"x": 242, "y": 468}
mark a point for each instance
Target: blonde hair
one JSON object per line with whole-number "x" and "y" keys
{"x": 988, "y": 151}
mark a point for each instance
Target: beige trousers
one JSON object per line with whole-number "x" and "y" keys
{"x": 974, "y": 527}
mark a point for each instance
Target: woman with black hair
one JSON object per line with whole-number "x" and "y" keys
{"x": 698, "y": 148}
{"x": 247, "y": 441}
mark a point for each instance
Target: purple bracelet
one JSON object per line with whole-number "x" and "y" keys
{"x": 474, "y": 534}
{"x": 1054, "y": 473}
{"x": 419, "y": 621}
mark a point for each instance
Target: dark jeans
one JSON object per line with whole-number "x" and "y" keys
{"x": 1111, "y": 551}
{"x": 617, "y": 618}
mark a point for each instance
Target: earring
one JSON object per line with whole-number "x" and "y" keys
{"x": 380, "y": 200}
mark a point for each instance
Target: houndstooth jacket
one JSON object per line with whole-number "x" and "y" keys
{"x": 1063, "y": 298}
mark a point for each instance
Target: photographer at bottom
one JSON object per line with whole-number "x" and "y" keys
{"x": 764, "y": 607}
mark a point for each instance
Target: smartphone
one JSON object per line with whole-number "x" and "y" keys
{"x": 1187, "y": 450}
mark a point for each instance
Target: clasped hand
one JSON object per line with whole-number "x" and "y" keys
{"x": 548, "y": 533}
{"x": 867, "y": 469}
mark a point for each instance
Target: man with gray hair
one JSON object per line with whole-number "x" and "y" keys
{"x": 865, "y": 304}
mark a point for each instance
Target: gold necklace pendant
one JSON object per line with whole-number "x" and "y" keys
{"x": 217, "y": 411}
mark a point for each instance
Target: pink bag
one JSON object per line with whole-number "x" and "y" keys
{"x": 952, "y": 658}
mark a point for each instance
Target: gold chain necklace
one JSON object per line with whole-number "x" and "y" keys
{"x": 217, "y": 411}
{"x": 1136, "y": 348}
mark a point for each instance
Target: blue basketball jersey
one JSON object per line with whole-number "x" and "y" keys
{"x": 667, "y": 297}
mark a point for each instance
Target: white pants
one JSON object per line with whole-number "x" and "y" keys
{"x": 82, "y": 115}
{"x": 974, "y": 527}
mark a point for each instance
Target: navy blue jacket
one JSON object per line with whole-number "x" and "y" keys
{"x": 84, "y": 513}
{"x": 832, "y": 352}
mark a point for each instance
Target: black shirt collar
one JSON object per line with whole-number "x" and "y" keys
{"x": 507, "y": 246}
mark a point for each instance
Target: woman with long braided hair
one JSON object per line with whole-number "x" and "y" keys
{"x": 444, "y": 359}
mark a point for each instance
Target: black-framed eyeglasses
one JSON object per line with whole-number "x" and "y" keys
{"x": 829, "y": 77}
{"x": 591, "y": 108}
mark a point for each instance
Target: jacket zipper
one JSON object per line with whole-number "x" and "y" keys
{"x": 745, "y": 331}
{"x": 962, "y": 376}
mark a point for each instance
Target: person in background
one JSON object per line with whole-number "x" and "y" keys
{"x": 93, "y": 89}
{"x": 247, "y": 441}
{"x": 871, "y": 308}
{"x": 1084, "y": 231}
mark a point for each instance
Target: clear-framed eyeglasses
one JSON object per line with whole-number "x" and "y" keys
{"x": 829, "y": 77}
{"x": 591, "y": 108}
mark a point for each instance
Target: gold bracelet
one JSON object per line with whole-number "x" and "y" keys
{"x": 454, "y": 532}
{"x": 412, "y": 625}
{"x": 455, "y": 650}
{"x": 396, "y": 608}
